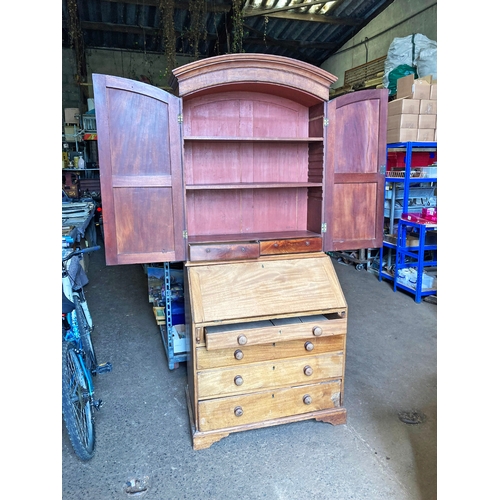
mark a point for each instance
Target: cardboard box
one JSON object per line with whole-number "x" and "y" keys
{"x": 434, "y": 92}
{"x": 72, "y": 115}
{"x": 179, "y": 339}
{"x": 402, "y": 121}
{"x": 403, "y": 106}
{"x": 401, "y": 135}
{"x": 425, "y": 134}
{"x": 427, "y": 121}
{"x": 408, "y": 86}
{"x": 428, "y": 107}
{"x": 71, "y": 134}
{"x": 411, "y": 241}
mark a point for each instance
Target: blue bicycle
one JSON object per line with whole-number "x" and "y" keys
{"x": 79, "y": 362}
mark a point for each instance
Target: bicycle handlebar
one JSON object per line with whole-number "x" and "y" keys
{"x": 81, "y": 251}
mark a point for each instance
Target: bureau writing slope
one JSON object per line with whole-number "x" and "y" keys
{"x": 248, "y": 174}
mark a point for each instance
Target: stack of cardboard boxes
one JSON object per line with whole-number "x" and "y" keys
{"x": 412, "y": 116}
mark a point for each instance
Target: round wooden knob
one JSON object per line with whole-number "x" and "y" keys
{"x": 307, "y": 399}
{"x": 238, "y": 380}
{"x": 309, "y": 346}
{"x": 238, "y": 411}
{"x": 242, "y": 340}
{"x": 317, "y": 331}
{"x": 238, "y": 354}
{"x": 308, "y": 370}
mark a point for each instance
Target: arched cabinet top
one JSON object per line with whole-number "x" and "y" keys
{"x": 296, "y": 80}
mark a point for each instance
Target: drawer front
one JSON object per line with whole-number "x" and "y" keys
{"x": 261, "y": 376}
{"x": 298, "y": 245}
{"x": 225, "y": 251}
{"x": 276, "y": 330}
{"x": 266, "y": 352}
{"x": 251, "y": 408}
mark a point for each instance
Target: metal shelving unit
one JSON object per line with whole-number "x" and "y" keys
{"x": 167, "y": 337}
{"x": 414, "y": 242}
{"x": 419, "y": 257}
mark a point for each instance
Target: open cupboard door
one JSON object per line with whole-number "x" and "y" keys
{"x": 139, "y": 140}
{"x": 354, "y": 170}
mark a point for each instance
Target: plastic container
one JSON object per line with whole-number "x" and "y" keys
{"x": 178, "y": 312}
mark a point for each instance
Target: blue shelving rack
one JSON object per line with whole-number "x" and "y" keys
{"x": 166, "y": 330}
{"x": 419, "y": 257}
{"x": 409, "y": 256}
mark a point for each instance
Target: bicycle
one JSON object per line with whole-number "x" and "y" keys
{"x": 79, "y": 361}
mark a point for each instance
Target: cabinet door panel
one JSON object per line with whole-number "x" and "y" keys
{"x": 140, "y": 171}
{"x": 355, "y": 160}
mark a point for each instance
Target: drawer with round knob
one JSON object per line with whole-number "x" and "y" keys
{"x": 233, "y": 411}
{"x": 275, "y": 330}
{"x": 237, "y": 356}
{"x": 259, "y": 376}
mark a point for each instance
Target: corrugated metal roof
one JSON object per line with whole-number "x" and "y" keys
{"x": 310, "y": 31}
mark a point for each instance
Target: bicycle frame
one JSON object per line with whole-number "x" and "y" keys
{"x": 73, "y": 335}
{"x": 70, "y": 292}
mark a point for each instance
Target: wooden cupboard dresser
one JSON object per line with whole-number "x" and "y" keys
{"x": 268, "y": 344}
{"x": 248, "y": 174}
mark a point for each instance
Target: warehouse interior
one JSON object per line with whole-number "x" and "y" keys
{"x": 391, "y": 445}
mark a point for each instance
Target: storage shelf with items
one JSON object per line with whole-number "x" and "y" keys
{"x": 166, "y": 293}
{"x": 80, "y": 155}
{"x": 413, "y": 262}
{"x": 411, "y": 193}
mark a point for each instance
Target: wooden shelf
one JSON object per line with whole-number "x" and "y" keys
{"x": 254, "y": 185}
{"x": 224, "y": 238}
{"x": 254, "y": 139}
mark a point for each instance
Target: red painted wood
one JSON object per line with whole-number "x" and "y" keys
{"x": 221, "y": 212}
{"x": 266, "y": 73}
{"x": 253, "y": 161}
{"x": 140, "y": 171}
{"x": 356, "y": 152}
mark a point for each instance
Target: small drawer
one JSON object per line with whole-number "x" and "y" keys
{"x": 273, "y": 374}
{"x": 276, "y": 330}
{"x": 297, "y": 245}
{"x": 270, "y": 405}
{"x": 225, "y": 251}
{"x": 266, "y": 352}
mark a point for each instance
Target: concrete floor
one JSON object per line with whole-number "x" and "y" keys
{"x": 143, "y": 430}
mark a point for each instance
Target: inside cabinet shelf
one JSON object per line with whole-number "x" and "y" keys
{"x": 253, "y": 139}
{"x": 254, "y": 185}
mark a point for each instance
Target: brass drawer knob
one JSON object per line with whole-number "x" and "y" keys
{"x": 242, "y": 340}
{"x": 238, "y": 411}
{"x": 238, "y": 380}
{"x": 317, "y": 331}
{"x": 307, "y": 399}
{"x": 308, "y": 370}
{"x": 238, "y": 354}
{"x": 308, "y": 346}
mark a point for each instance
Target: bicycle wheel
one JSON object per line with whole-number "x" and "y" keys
{"x": 77, "y": 408}
{"x": 85, "y": 331}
